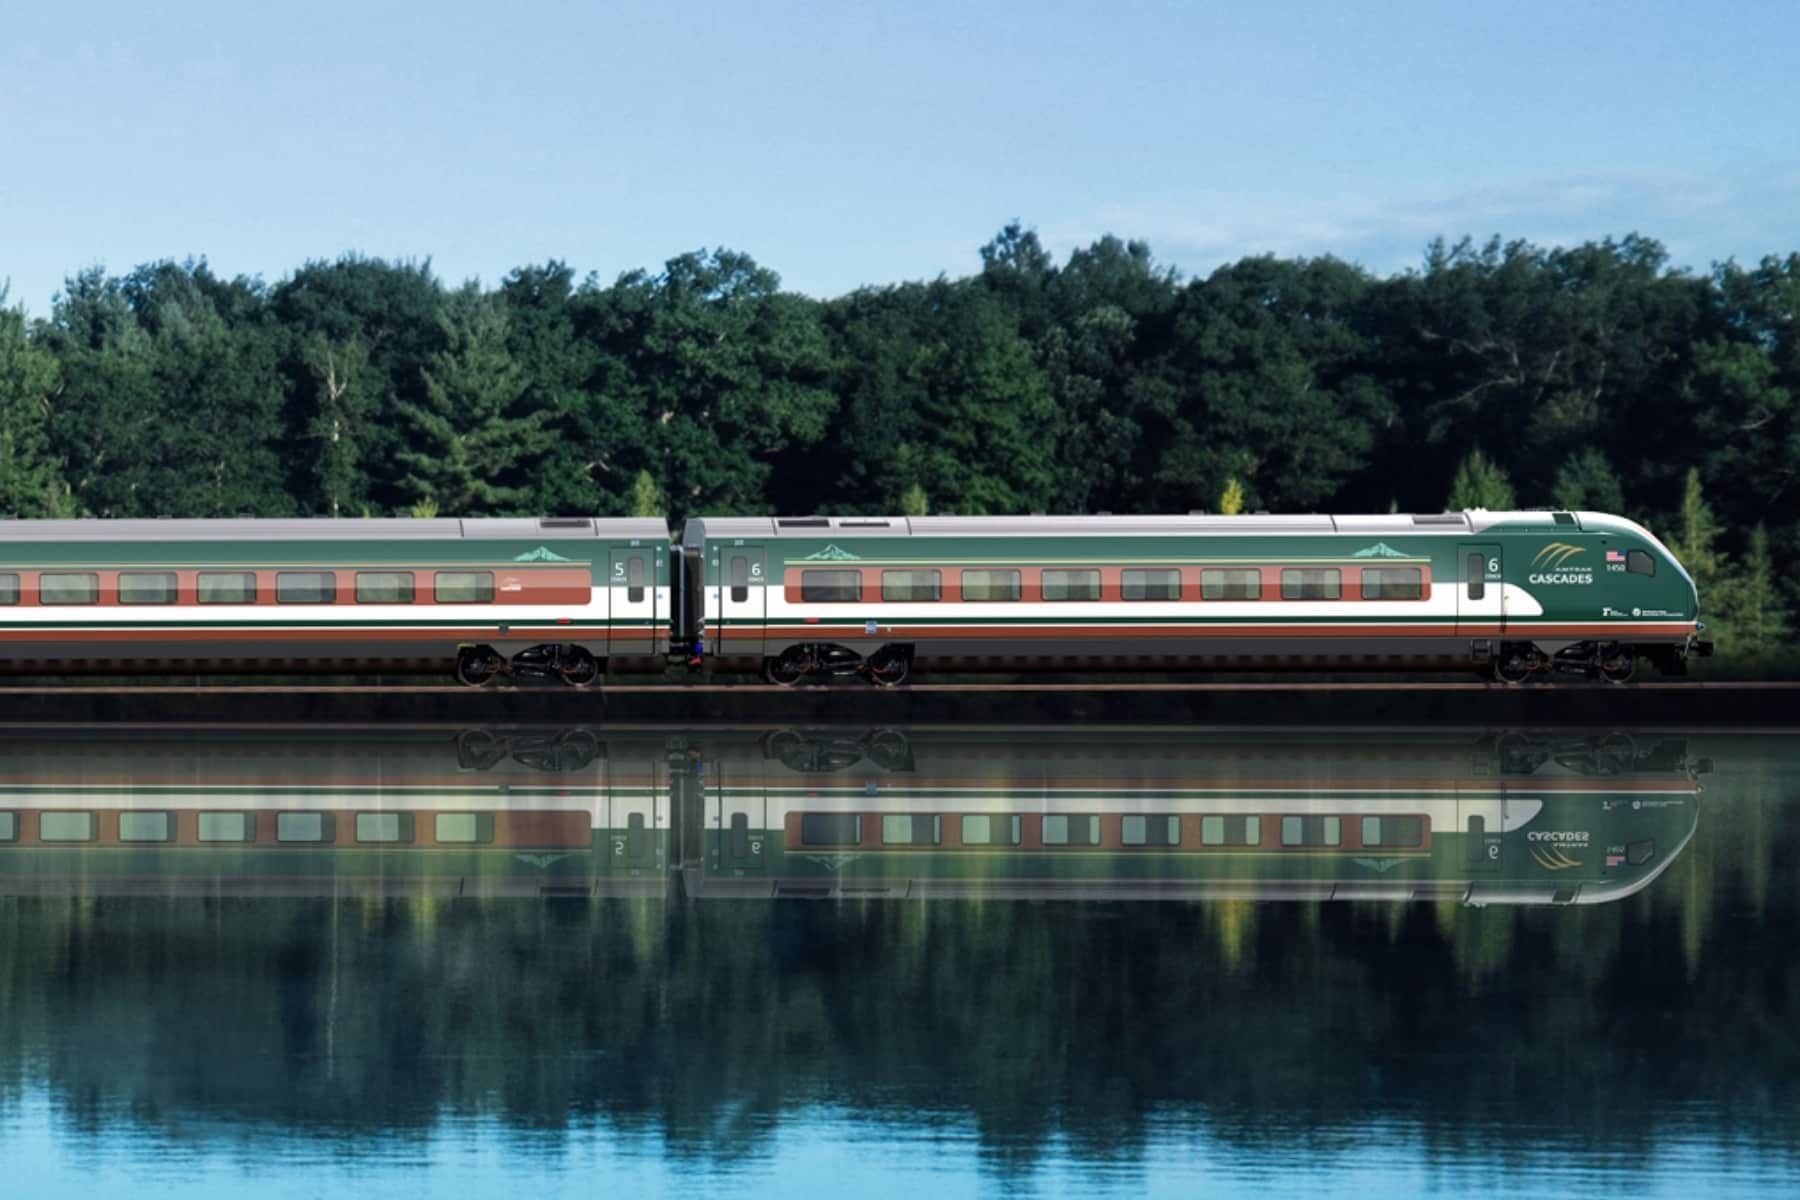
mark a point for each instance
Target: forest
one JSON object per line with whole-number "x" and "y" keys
{"x": 1493, "y": 374}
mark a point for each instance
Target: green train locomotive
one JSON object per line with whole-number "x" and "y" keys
{"x": 1518, "y": 595}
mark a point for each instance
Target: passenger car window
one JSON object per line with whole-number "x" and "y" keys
{"x": 1393, "y": 583}
{"x": 463, "y": 587}
{"x": 1310, "y": 583}
{"x": 911, "y": 585}
{"x": 62, "y": 588}
{"x": 634, "y": 579}
{"x": 740, "y": 578}
{"x": 305, "y": 587}
{"x": 384, "y": 587}
{"x": 1476, "y": 576}
{"x": 9, "y": 588}
{"x": 230, "y": 587}
{"x": 1071, "y": 585}
{"x": 830, "y": 587}
{"x": 990, "y": 585}
{"x": 147, "y": 587}
{"x": 1155, "y": 583}
{"x": 1231, "y": 583}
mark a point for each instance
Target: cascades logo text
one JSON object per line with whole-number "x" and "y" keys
{"x": 1551, "y": 565}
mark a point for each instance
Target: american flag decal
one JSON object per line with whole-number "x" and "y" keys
{"x": 1614, "y": 556}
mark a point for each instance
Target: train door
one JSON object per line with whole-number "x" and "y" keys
{"x": 734, "y": 620}
{"x": 632, "y": 578}
{"x": 1480, "y": 600}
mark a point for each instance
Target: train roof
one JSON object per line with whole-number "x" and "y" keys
{"x": 313, "y": 529}
{"x": 1470, "y": 521}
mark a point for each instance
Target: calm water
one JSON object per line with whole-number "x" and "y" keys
{"x": 757, "y": 962}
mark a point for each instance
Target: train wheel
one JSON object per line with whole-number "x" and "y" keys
{"x": 476, "y": 665}
{"x": 1618, "y": 664}
{"x": 577, "y": 667}
{"x": 787, "y": 670}
{"x": 1514, "y": 665}
{"x": 889, "y": 666}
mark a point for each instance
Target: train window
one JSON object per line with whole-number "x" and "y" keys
{"x": 636, "y": 838}
{"x": 1310, "y": 583}
{"x": 1231, "y": 831}
{"x": 1393, "y": 583}
{"x": 303, "y": 827}
{"x": 83, "y": 588}
{"x": 144, "y": 826}
{"x": 983, "y": 830}
{"x": 740, "y": 578}
{"x": 66, "y": 827}
{"x": 384, "y": 587}
{"x": 1312, "y": 831}
{"x": 383, "y": 827}
{"x": 9, "y": 827}
{"x": 1153, "y": 583}
{"x": 147, "y": 587}
{"x": 990, "y": 585}
{"x": 305, "y": 587}
{"x": 1639, "y": 562}
{"x": 831, "y": 829}
{"x": 906, "y": 830}
{"x": 830, "y": 587}
{"x": 740, "y": 835}
{"x": 1071, "y": 585}
{"x": 226, "y": 587}
{"x": 463, "y": 587}
{"x": 1060, "y": 830}
{"x": 1475, "y": 571}
{"x": 1231, "y": 583}
{"x": 1393, "y": 831}
{"x": 634, "y": 579}
{"x": 227, "y": 827}
{"x": 911, "y": 585}
{"x": 9, "y": 588}
{"x": 462, "y": 829}
{"x": 1137, "y": 830}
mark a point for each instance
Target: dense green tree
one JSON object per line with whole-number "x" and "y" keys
{"x": 31, "y": 482}
{"x": 1585, "y": 480}
{"x": 470, "y": 445}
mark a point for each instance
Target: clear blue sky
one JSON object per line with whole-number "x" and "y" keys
{"x": 847, "y": 143}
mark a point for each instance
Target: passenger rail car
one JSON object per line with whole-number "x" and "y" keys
{"x": 304, "y": 814}
{"x": 560, "y": 597}
{"x": 1504, "y": 821}
{"x": 1516, "y": 594}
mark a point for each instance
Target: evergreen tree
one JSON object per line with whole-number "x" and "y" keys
{"x": 1231, "y": 500}
{"x": 467, "y": 447}
{"x": 646, "y": 498}
{"x": 1480, "y": 483}
{"x": 1586, "y": 481}
{"x": 1755, "y": 620}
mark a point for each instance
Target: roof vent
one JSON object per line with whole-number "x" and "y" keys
{"x": 803, "y": 523}
{"x": 1563, "y": 518}
{"x": 1437, "y": 519}
{"x": 862, "y": 524}
{"x": 563, "y": 522}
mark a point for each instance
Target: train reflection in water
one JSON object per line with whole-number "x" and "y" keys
{"x": 1094, "y": 813}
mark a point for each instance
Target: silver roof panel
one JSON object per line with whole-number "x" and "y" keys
{"x": 330, "y": 529}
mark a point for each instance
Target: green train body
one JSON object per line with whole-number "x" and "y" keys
{"x": 1515, "y": 593}
{"x": 833, "y": 814}
{"x": 1502, "y": 821}
{"x": 558, "y": 596}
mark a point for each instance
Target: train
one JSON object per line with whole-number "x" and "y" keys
{"x": 843, "y": 813}
{"x": 1515, "y": 596}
